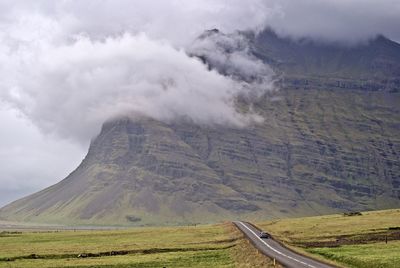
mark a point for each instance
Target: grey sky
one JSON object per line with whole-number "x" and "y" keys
{"x": 29, "y": 159}
{"x": 67, "y": 66}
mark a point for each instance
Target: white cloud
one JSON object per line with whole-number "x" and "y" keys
{"x": 71, "y": 89}
{"x": 230, "y": 54}
{"x": 348, "y": 21}
{"x": 180, "y": 21}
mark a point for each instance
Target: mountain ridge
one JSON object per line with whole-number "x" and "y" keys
{"x": 373, "y": 65}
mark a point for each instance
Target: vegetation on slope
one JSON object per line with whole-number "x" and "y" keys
{"x": 317, "y": 152}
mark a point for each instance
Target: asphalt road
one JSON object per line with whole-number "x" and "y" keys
{"x": 273, "y": 249}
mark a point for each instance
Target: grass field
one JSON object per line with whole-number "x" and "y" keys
{"x": 202, "y": 246}
{"x": 355, "y": 241}
{"x": 350, "y": 241}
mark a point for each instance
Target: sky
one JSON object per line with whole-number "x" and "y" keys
{"x": 67, "y": 66}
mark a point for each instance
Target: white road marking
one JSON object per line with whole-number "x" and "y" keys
{"x": 275, "y": 250}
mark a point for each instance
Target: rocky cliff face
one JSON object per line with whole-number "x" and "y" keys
{"x": 305, "y": 63}
{"x": 318, "y": 151}
{"x": 327, "y": 144}
{"x": 379, "y": 58}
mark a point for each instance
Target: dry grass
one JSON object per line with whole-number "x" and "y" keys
{"x": 355, "y": 241}
{"x": 202, "y": 246}
{"x": 246, "y": 255}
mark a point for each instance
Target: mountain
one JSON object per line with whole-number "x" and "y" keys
{"x": 305, "y": 63}
{"x": 330, "y": 142}
{"x": 373, "y": 65}
{"x": 378, "y": 57}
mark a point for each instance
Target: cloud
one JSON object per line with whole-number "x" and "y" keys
{"x": 71, "y": 89}
{"x": 348, "y": 21}
{"x": 179, "y": 21}
{"x": 230, "y": 54}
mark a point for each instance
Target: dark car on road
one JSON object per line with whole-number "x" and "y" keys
{"x": 264, "y": 235}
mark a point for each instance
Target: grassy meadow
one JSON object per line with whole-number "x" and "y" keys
{"x": 195, "y": 246}
{"x": 349, "y": 241}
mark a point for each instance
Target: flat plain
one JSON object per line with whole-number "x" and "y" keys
{"x": 346, "y": 241}
{"x": 190, "y": 246}
{"x": 349, "y": 241}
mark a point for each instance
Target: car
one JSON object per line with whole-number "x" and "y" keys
{"x": 264, "y": 235}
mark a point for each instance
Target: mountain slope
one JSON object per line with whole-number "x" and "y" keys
{"x": 379, "y": 58}
{"x": 330, "y": 142}
{"x": 132, "y": 169}
{"x": 305, "y": 63}
{"x": 317, "y": 152}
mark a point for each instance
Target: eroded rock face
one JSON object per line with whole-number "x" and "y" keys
{"x": 316, "y": 152}
{"x": 305, "y": 63}
{"x": 330, "y": 142}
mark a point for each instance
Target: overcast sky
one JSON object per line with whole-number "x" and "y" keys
{"x": 67, "y": 66}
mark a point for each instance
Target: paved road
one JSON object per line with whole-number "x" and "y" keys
{"x": 275, "y": 250}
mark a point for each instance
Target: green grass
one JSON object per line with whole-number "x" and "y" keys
{"x": 356, "y": 241}
{"x": 374, "y": 255}
{"x": 214, "y": 258}
{"x": 195, "y": 246}
{"x": 144, "y": 247}
{"x": 70, "y": 242}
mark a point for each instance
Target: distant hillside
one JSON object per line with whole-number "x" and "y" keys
{"x": 322, "y": 148}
